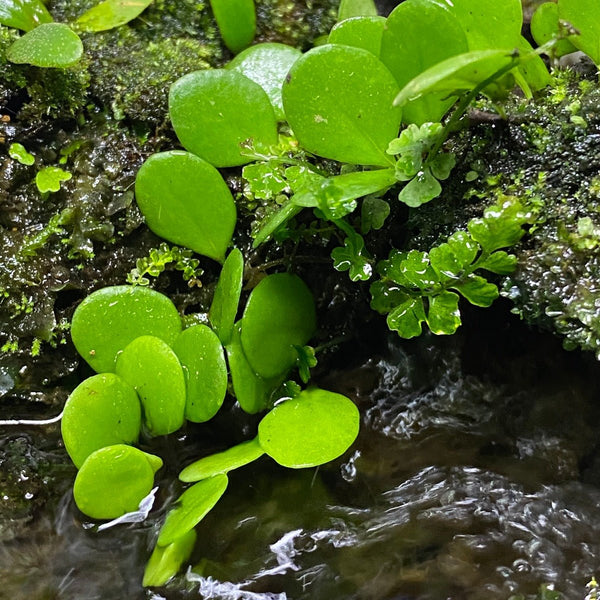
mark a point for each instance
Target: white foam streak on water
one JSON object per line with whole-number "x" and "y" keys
{"x": 211, "y": 588}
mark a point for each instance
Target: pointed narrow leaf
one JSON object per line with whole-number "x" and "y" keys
{"x": 443, "y": 316}
{"x": 101, "y": 411}
{"x": 315, "y": 427}
{"x": 112, "y": 317}
{"x": 201, "y": 355}
{"x": 165, "y": 561}
{"x": 237, "y": 22}
{"x": 477, "y": 290}
{"x": 152, "y": 368}
{"x": 23, "y": 14}
{"x": 49, "y": 45}
{"x": 338, "y": 101}
{"x": 110, "y": 14}
{"x": 406, "y": 318}
{"x": 223, "y": 462}
{"x": 267, "y": 65}
{"x": 215, "y": 111}
{"x": 418, "y": 35}
{"x": 192, "y": 506}
{"x": 279, "y": 315}
{"x": 359, "y": 32}
{"x": 185, "y": 201}
{"x": 226, "y": 299}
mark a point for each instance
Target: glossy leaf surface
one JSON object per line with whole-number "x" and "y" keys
{"x": 193, "y": 505}
{"x": 222, "y": 462}
{"x": 110, "y": 14}
{"x": 112, "y": 317}
{"x": 215, "y": 111}
{"x": 443, "y": 316}
{"x": 185, "y": 201}
{"x": 165, "y": 561}
{"x": 356, "y": 8}
{"x": 152, "y": 368}
{"x": 201, "y": 355}
{"x": 114, "y": 480}
{"x": 267, "y": 65}
{"x": 226, "y": 299}
{"x": 237, "y": 22}
{"x": 338, "y": 101}
{"x": 545, "y": 26}
{"x": 418, "y": 35}
{"x": 23, "y": 14}
{"x": 49, "y": 45}
{"x": 309, "y": 430}
{"x": 359, "y": 32}
{"x": 101, "y": 411}
{"x": 279, "y": 315}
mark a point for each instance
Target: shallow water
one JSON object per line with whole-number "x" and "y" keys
{"x": 476, "y": 475}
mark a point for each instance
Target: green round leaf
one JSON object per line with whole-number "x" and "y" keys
{"x": 193, "y": 505}
{"x": 280, "y": 314}
{"x": 185, "y": 201}
{"x": 237, "y": 22}
{"x": 215, "y": 111}
{"x": 223, "y": 462}
{"x": 267, "y": 65}
{"x": 114, "y": 480}
{"x": 101, "y": 411}
{"x": 309, "y": 430}
{"x": 49, "y": 45}
{"x": 544, "y": 26}
{"x": 338, "y": 101}
{"x": 23, "y": 14}
{"x": 201, "y": 355}
{"x": 110, "y": 14}
{"x": 443, "y": 317}
{"x": 110, "y": 318}
{"x": 418, "y": 35}
{"x": 252, "y": 391}
{"x": 226, "y": 299}
{"x": 153, "y": 369}
{"x": 359, "y": 32}
{"x": 356, "y": 8}
{"x": 584, "y": 15}
{"x": 50, "y": 178}
{"x": 164, "y": 562}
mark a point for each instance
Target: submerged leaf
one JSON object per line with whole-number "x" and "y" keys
{"x": 165, "y": 561}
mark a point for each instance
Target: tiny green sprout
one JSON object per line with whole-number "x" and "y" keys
{"x": 112, "y": 317}
{"x": 101, "y": 411}
{"x": 314, "y": 428}
{"x": 237, "y": 22}
{"x": 50, "y": 178}
{"x": 186, "y": 201}
{"x": 110, "y": 14}
{"x": 49, "y": 45}
{"x": 153, "y": 369}
{"x": 279, "y": 315}
{"x": 165, "y": 561}
{"x": 20, "y": 154}
{"x": 23, "y": 14}
{"x": 114, "y": 480}
{"x": 193, "y": 505}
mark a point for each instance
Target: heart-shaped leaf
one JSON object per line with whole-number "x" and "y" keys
{"x": 152, "y": 368}
{"x": 223, "y": 462}
{"x": 193, "y": 505}
{"x": 237, "y": 22}
{"x": 359, "y": 32}
{"x": 279, "y": 315}
{"x": 226, "y": 299}
{"x": 49, "y": 45}
{"x": 110, "y": 14}
{"x": 114, "y": 480}
{"x": 309, "y": 430}
{"x": 252, "y": 391}
{"x": 101, "y": 411}
{"x": 165, "y": 561}
{"x": 418, "y": 35}
{"x": 201, "y": 355}
{"x": 112, "y": 317}
{"x": 23, "y": 14}
{"x": 214, "y": 112}
{"x": 267, "y": 65}
{"x": 185, "y": 201}
{"x": 338, "y": 101}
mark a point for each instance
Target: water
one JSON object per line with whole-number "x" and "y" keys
{"x": 476, "y": 476}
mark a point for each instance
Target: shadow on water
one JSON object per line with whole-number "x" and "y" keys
{"x": 476, "y": 476}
